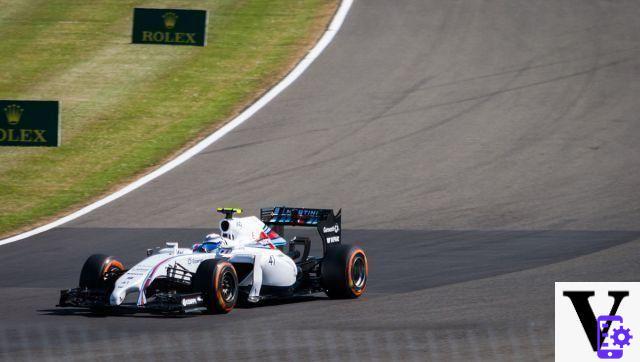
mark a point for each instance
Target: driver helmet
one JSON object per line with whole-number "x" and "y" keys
{"x": 210, "y": 243}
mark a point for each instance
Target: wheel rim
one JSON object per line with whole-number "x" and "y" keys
{"x": 228, "y": 287}
{"x": 112, "y": 269}
{"x": 359, "y": 272}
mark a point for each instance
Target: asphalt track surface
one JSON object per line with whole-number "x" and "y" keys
{"x": 480, "y": 150}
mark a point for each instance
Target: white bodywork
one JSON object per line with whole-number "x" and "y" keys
{"x": 244, "y": 241}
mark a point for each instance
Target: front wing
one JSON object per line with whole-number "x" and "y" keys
{"x": 159, "y": 303}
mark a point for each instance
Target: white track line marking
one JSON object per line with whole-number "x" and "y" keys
{"x": 327, "y": 37}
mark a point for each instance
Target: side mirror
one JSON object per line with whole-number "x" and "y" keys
{"x": 174, "y": 246}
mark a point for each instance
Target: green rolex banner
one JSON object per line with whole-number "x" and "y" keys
{"x": 29, "y": 123}
{"x": 169, "y": 26}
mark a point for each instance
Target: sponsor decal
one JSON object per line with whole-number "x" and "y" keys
{"x": 169, "y": 26}
{"x": 225, "y": 250}
{"x": 333, "y": 239}
{"x": 272, "y": 260}
{"x": 297, "y": 215}
{"x": 186, "y": 302}
{"x": 330, "y": 231}
{"x": 29, "y": 123}
{"x": 192, "y": 260}
{"x": 596, "y": 321}
{"x": 334, "y": 229}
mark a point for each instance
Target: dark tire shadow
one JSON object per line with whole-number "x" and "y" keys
{"x": 83, "y": 312}
{"x": 271, "y": 302}
{"x": 242, "y": 304}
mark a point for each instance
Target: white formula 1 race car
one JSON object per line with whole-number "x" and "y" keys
{"x": 246, "y": 262}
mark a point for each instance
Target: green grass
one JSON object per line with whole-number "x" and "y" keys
{"x": 126, "y": 108}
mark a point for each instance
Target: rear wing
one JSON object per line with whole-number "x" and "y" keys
{"x": 328, "y": 224}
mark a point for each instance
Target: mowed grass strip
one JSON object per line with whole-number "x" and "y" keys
{"x": 125, "y": 107}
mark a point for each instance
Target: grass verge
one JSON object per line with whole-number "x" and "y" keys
{"x": 127, "y": 108}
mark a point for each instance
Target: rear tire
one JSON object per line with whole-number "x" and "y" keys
{"x": 217, "y": 280}
{"x": 344, "y": 271}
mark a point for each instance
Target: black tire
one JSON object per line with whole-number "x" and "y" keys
{"x": 344, "y": 271}
{"x": 217, "y": 280}
{"x": 100, "y": 272}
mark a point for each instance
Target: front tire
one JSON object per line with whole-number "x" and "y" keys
{"x": 217, "y": 280}
{"x": 344, "y": 271}
{"x": 100, "y": 272}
